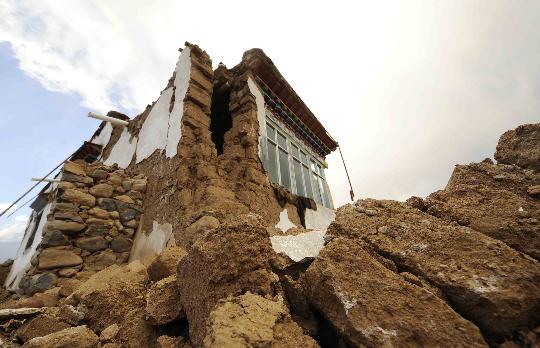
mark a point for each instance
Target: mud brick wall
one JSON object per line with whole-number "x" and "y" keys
{"x": 95, "y": 212}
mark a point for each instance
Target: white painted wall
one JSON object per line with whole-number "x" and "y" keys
{"x": 123, "y": 150}
{"x": 284, "y": 223}
{"x": 319, "y": 219}
{"x": 146, "y": 246}
{"x": 299, "y": 246}
{"x": 162, "y": 129}
{"x": 308, "y": 244}
{"x": 104, "y": 136}
{"x": 181, "y": 83}
{"x": 22, "y": 261}
{"x": 261, "y": 117}
{"x": 153, "y": 133}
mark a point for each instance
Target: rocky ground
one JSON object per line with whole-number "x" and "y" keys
{"x": 458, "y": 269}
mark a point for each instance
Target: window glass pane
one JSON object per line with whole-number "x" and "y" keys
{"x": 307, "y": 181}
{"x": 298, "y": 178}
{"x": 284, "y": 169}
{"x": 316, "y": 193}
{"x": 321, "y": 190}
{"x": 326, "y": 195}
{"x": 272, "y": 163}
{"x": 295, "y": 151}
{"x": 320, "y": 170}
{"x": 304, "y": 157}
{"x": 282, "y": 141}
{"x": 313, "y": 166}
{"x": 270, "y": 132}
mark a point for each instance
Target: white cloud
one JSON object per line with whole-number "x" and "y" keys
{"x": 407, "y": 88}
{"x": 4, "y": 206}
{"x": 13, "y": 229}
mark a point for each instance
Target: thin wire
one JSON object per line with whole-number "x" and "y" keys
{"x": 37, "y": 183}
{"x": 347, "y": 172}
{"x": 25, "y": 203}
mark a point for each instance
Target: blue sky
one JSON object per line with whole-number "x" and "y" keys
{"x": 34, "y": 123}
{"x": 408, "y": 88}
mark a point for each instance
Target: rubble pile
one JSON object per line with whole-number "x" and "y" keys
{"x": 181, "y": 241}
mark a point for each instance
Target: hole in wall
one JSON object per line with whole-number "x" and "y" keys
{"x": 220, "y": 119}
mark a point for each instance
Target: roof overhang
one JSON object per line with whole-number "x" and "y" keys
{"x": 269, "y": 76}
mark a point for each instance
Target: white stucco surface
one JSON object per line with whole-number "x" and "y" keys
{"x": 299, "y": 246}
{"x": 104, "y": 136}
{"x": 22, "y": 261}
{"x": 153, "y": 133}
{"x": 146, "y": 246}
{"x": 162, "y": 129}
{"x": 284, "y": 223}
{"x": 181, "y": 83}
{"x": 261, "y": 117}
{"x": 123, "y": 150}
{"x": 319, "y": 219}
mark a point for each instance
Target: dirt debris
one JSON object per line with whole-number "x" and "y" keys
{"x": 492, "y": 199}
{"x": 485, "y": 280}
{"x": 251, "y": 320}
{"x": 369, "y": 305}
{"x": 73, "y": 337}
{"x": 227, "y": 262}
{"x": 520, "y": 146}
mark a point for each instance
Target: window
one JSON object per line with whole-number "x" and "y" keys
{"x": 298, "y": 179}
{"x": 272, "y": 165}
{"x": 284, "y": 168}
{"x": 290, "y": 164}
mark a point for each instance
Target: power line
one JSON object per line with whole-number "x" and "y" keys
{"x": 347, "y": 172}
{"x": 34, "y": 186}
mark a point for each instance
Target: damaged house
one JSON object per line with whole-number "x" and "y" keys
{"x": 207, "y": 221}
{"x": 215, "y": 146}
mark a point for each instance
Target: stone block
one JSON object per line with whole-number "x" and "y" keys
{"x": 107, "y": 204}
{"x": 91, "y": 244}
{"x": 99, "y": 174}
{"x": 53, "y": 258}
{"x": 102, "y": 190}
{"x": 65, "y": 226}
{"x": 54, "y": 238}
{"x": 79, "y": 197}
{"x": 121, "y": 244}
{"x": 77, "y": 179}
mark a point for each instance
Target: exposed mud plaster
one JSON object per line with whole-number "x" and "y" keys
{"x": 319, "y": 219}
{"x": 259, "y": 99}
{"x": 162, "y": 128}
{"x": 284, "y": 223}
{"x": 299, "y": 246}
{"x": 122, "y": 152}
{"x": 104, "y": 136}
{"x": 24, "y": 255}
{"x": 181, "y": 83}
{"x": 146, "y": 246}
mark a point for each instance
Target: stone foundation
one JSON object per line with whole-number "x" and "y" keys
{"x": 93, "y": 215}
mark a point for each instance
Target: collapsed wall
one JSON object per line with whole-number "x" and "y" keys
{"x": 200, "y": 149}
{"x": 88, "y": 221}
{"x": 209, "y": 170}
